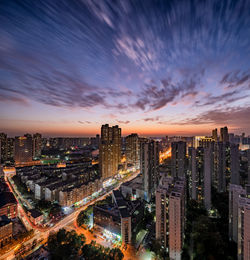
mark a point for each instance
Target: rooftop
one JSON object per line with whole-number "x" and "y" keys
{"x": 35, "y": 213}
{"x": 7, "y": 198}
{"x": 4, "y": 221}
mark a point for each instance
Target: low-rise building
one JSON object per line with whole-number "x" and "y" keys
{"x": 69, "y": 195}
{"x": 36, "y": 217}
{"x": 119, "y": 218}
{"x": 5, "y": 230}
{"x": 133, "y": 188}
{"x": 8, "y": 204}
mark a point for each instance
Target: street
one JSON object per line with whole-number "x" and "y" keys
{"x": 43, "y": 233}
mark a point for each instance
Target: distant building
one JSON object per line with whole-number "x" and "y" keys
{"x": 149, "y": 163}
{"x": 133, "y": 150}
{"x": 23, "y": 149}
{"x": 178, "y": 159}
{"x": 10, "y": 148}
{"x": 3, "y": 147}
{"x": 6, "y": 230}
{"x": 8, "y": 204}
{"x": 109, "y": 151}
{"x": 248, "y": 164}
{"x": 224, "y": 137}
{"x": 215, "y": 134}
{"x": 37, "y": 145}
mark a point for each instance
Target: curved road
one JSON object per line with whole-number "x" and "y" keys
{"x": 68, "y": 220}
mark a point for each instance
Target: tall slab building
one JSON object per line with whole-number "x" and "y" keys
{"x": 178, "y": 159}
{"x": 23, "y": 149}
{"x": 170, "y": 215}
{"x": 133, "y": 150}
{"x": 200, "y": 174}
{"x": 109, "y": 151}
{"x": 149, "y": 162}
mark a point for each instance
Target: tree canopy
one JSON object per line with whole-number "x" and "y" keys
{"x": 65, "y": 244}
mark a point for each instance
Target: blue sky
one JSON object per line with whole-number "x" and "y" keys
{"x": 153, "y": 67}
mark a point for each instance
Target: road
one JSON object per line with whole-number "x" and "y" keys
{"x": 66, "y": 221}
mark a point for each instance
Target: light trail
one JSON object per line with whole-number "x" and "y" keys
{"x": 164, "y": 155}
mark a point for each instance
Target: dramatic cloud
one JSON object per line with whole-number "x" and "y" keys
{"x": 126, "y": 57}
{"x": 236, "y": 78}
{"x": 233, "y": 117}
{"x": 225, "y": 98}
{"x": 155, "y": 96}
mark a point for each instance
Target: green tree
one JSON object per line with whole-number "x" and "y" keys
{"x": 65, "y": 245}
{"x": 82, "y": 218}
{"x": 116, "y": 254}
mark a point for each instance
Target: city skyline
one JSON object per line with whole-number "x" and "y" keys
{"x": 153, "y": 69}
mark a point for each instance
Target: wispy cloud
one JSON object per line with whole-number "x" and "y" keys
{"x": 237, "y": 117}
{"x": 123, "y": 122}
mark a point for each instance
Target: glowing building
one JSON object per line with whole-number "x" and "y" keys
{"x": 110, "y": 151}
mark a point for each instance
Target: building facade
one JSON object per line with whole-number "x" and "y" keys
{"x": 37, "y": 145}
{"x": 23, "y": 149}
{"x": 170, "y": 215}
{"x": 149, "y": 163}
{"x": 109, "y": 151}
{"x": 6, "y": 230}
{"x": 178, "y": 159}
{"x": 133, "y": 150}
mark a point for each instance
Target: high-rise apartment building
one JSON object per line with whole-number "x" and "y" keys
{"x": 110, "y": 150}
{"x": 133, "y": 150}
{"x": 149, "y": 162}
{"x": 224, "y": 137}
{"x": 170, "y": 215}
{"x": 10, "y": 148}
{"x": 244, "y": 229}
{"x": 235, "y": 193}
{"x": 219, "y": 177}
{"x": 200, "y": 171}
{"x": 176, "y": 222}
{"x": 23, "y": 149}
{"x": 215, "y": 134}
{"x": 3, "y": 147}
{"x": 248, "y": 165}
{"x": 37, "y": 145}
{"x": 226, "y": 165}
{"x": 234, "y": 164}
{"x": 178, "y": 159}
{"x": 162, "y": 210}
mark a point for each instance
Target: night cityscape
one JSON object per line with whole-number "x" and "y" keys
{"x": 125, "y": 129}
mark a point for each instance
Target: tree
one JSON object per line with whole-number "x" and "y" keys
{"x": 65, "y": 244}
{"x": 116, "y": 254}
{"x": 82, "y": 219}
{"x": 55, "y": 210}
{"x": 208, "y": 242}
{"x": 158, "y": 250}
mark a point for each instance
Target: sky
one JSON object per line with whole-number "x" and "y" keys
{"x": 152, "y": 67}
